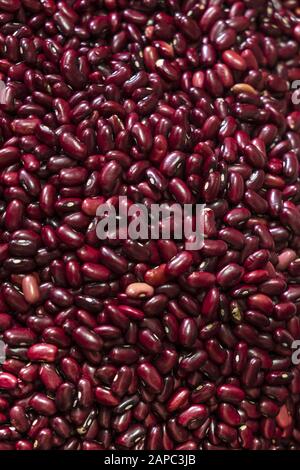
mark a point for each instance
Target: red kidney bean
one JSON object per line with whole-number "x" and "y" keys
{"x": 230, "y": 394}
{"x": 192, "y": 361}
{"x": 49, "y": 377}
{"x": 121, "y": 381}
{"x": 229, "y": 414}
{"x": 180, "y": 191}
{"x": 43, "y": 405}
{"x": 203, "y": 392}
{"x": 86, "y": 338}
{"x": 155, "y": 305}
{"x": 234, "y": 60}
{"x": 176, "y": 431}
{"x": 187, "y": 332}
{"x": 142, "y": 136}
{"x": 18, "y": 336}
{"x": 61, "y": 427}
{"x": 150, "y": 341}
{"x": 230, "y": 275}
{"x": 70, "y": 369}
{"x": 284, "y": 310}
{"x": 150, "y": 376}
{"x": 201, "y": 279}
{"x": 215, "y": 351}
{"x": 236, "y": 217}
{"x": 257, "y": 260}
{"x": 179, "y": 264}
{"x": 113, "y": 261}
{"x": 123, "y": 355}
{"x": 268, "y": 408}
{"x": 256, "y": 277}
{"x": 193, "y": 416}
{"x": 105, "y": 397}
{"x": 210, "y": 303}
{"x": 57, "y": 336}
{"x": 235, "y": 188}
{"x": 261, "y": 302}
{"x": 72, "y": 146}
{"x": 226, "y": 433}
{"x": 251, "y": 371}
{"x": 214, "y": 248}
{"x": 7, "y": 381}
{"x": 69, "y": 236}
{"x": 95, "y": 272}
{"x": 233, "y": 237}
{"x": 19, "y": 419}
{"x": 178, "y": 399}
{"x": 42, "y": 352}
{"x": 131, "y": 436}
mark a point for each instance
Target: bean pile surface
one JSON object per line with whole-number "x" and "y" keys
{"x": 125, "y": 344}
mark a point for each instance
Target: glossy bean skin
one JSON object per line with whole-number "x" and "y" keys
{"x": 114, "y": 340}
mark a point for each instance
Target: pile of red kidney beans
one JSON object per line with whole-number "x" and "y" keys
{"x": 144, "y": 344}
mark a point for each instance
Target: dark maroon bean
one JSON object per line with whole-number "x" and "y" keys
{"x": 236, "y": 217}
{"x": 95, "y": 272}
{"x": 229, "y": 414}
{"x": 230, "y": 394}
{"x": 113, "y": 261}
{"x": 49, "y": 377}
{"x": 150, "y": 376}
{"x": 214, "y": 248}
{"x": 61, "y": 426}
{"x": 203, "y": 392}
{"x": 179, "y": 264}
{"x": 226, "y": 433}
{"x": 42, "y": 352}
{"x": 257, "y": 260}
{"x": 19, "y": 419}
{"x": 70, "y": 237}
{"x": 211, "y": 302}
{"x": 19, "y": 336}
{"x": 57, "y": 336}
{"x": 72, "y": 146}
{"x": 121, "y": 381}
{"x": 187, "y": 333}
{"x": 14, "y": 298}
{"x": 230, "y": 275}
{"x": 201, "y": 279}
{"x": 178, "y": 399}
{"x": 251, "y": 371}
{"x": 60, "y": 297}
{"x": 131, "y": 437}
{"x": 123, "y": 355}
{"x": 65, "y": 396}
{"x": 150, "y": 341}
{"x": 105, "y": 397}
{"x": 86, "y": 338}
{"x": 233, "y": 237}
{"x": 261, "y": 302}
{"x": 215, "y": 351}
{"x": 7, "y": 381}
{"x": 210, "y": 330}
{"x": 155, "y": 305}
{"x": 180, "y": 191}
{"x": 193, "y": 416}
{"x": 43, "y": 405}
